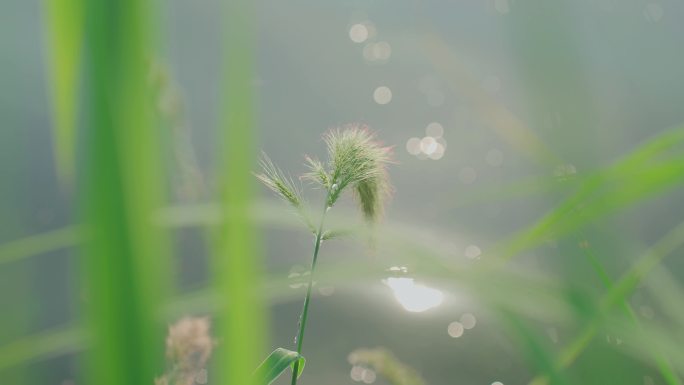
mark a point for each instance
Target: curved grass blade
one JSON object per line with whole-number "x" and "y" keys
{"x": 276, "y": 363}
{"x": 652, "y": 168}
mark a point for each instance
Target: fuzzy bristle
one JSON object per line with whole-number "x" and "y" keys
{"x": 274, "y": 179}
{"x": 356, "y": 159}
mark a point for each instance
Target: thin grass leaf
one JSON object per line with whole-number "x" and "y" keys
{"x": 276, "y": 363}
{"x": 618, "y": 293}
{"x": 41, "y": 243}
{"x": 624, "y": 183}
{"x": 663, "y": 364}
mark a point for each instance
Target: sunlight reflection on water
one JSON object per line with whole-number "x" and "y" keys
{"x": 412, "y": 297}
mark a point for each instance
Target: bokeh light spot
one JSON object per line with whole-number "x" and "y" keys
{"x": 413, "y": 146}
{"x": 382, "y": 95}
{"x": 472, "y": 252}
{"x": 358, "y": 33}
{"x": 435, "y": 130}
{"x": 467, "y": 175}
{"x": 468, "y": 321}
{"x": 455, "y": 329}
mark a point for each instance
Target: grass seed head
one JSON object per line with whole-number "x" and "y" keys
{"x": 358, "y": 160}
{"x": 275, "y": 179}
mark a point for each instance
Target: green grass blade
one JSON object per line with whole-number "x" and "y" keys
{"x": 125, "y": 261}
{"x": 663, "y": 364}
{"x": 617, "y": 294}
{"x": 275, "y": 364}
{"x": 534, "y": 350}
{"x": 50, "y": 343}
{"x": 237, "y": 261}
{"x": 41, "y": 243}
{"x": 641, "y": 174}
{"x": 64, "y": 40}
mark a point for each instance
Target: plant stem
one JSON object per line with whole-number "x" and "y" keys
{"x": 307, "y": 299}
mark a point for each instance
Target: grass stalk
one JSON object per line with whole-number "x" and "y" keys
{"x": 305, "y": 309}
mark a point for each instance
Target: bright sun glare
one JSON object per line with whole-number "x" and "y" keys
{"x": 412, "y": 297}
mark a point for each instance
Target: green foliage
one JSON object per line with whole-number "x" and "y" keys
{"x": 236, "y": 262}
{"x": 276, "y": 363}
{"x": 355, "y": 159}
{"x": 125, "y": 257}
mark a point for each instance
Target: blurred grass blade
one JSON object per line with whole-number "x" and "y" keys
{"x": 64, "y": 40}
{"x": 275, "y": 364}
{"x": 40, "y": 243}
{"x": 534, "y": 350}
{"x": 237, "y": 261}
{"x": 663, "y": 364}
{"x": 639, "y": 175}
{"x": 618, "y": 293}
{"x": 52, "y": 343}
{"x": 125, "y": 261}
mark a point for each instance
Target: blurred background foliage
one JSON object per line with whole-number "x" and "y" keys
{"x": 535, "y": 234}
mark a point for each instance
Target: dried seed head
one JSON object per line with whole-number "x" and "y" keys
{"x": 189, "y": 345}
